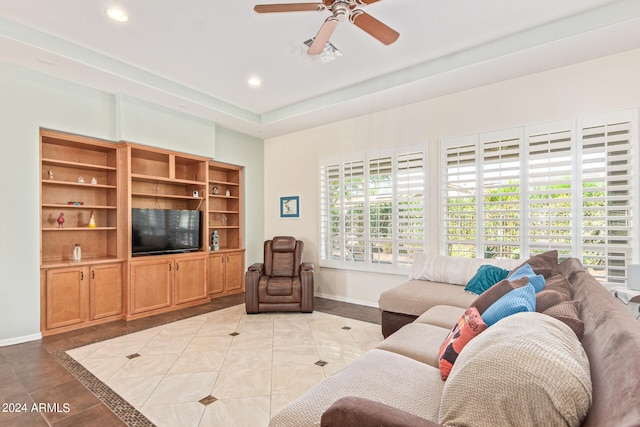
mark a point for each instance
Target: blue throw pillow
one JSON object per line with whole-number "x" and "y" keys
{"x": 515, "y": 301}
{"x": 537, "y": 280}
{"x": 486, "y": 277}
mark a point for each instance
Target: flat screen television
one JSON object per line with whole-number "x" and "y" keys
{"x": 164, "y": 231}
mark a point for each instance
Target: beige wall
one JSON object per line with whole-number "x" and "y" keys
{"x": 291, "y": 161}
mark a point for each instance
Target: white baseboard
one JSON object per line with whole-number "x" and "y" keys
{"x": 349, "y": 300}
{"x": 20, "y": 340}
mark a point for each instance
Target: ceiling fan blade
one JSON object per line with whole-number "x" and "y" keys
{"x": 373, "y": 27}
{"x": 288, "y": 7}
{"x": 366, "y": 1}
{"x": 323, "y": 36}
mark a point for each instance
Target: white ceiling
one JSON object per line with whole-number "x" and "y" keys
{"x": 196, "y": 56}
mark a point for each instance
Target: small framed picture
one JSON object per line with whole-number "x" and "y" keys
{"x": 290, "y": 207}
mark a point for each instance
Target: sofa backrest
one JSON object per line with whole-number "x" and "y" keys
{"x": 612, "y": 342}
{"x": 453, "y": 270}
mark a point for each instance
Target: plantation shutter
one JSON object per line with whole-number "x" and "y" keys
{"x": 460, "y": 180}
{"x": 501, "y": 195}
{"x": 353, "y": 190}
{"x": 550, "y": 192}
{"x": 410, "y": 205}
{"x": 330, "y": 217}
{"x": 381, "y": 210}
{"x": 606, "y": 234}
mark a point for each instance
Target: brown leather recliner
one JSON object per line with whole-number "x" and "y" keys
{"x": 283, "y": 282}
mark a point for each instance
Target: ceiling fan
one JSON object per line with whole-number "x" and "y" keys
{"x": 341, "y": 10}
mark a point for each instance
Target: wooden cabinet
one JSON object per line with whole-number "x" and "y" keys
{"x": 162, "y": 179}
{"x": 190, "y": 279}
{"x": 163, "y": 283}
{"x": 79, "y": 180}
{"x": 75, "y": 297}
{"x": 225, "y": 205}
{"x": 105, "y": 291}
{"x": 94, "y": 185}
{"x": 226, "y": 273}
{"x": 150, "y": 284}
{"x": 226, "y": 261}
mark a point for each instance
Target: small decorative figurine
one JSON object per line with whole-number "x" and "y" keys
{"x": 228, "y": 193}
{"x": 94, "y": 181}
{"x": 50, "y": 174}
{"x": 81, "y": 180}
{"x": 214, "y": 190}
{"x": 215, "y": 240}
{"x": 77, "y": 253}
{"x": 224, "y": 219}
{"x": 92, "y": 220}
{"x": 61, "y": 220}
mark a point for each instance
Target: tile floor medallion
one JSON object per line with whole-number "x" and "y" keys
{"x": 225, "y": 367}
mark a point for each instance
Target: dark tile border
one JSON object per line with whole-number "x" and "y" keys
{"x": 127, "y": 413}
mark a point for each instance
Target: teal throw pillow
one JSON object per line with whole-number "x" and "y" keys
{"x": 486, "y": 277}
{"x": 516, "y": 301}
{"x": 537, "y": 280}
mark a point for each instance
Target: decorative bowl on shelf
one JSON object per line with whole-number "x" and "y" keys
{"x": 75, "y": 203}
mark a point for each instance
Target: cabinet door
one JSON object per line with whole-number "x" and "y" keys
{"x": 150, "y": 285}
{"x": 66, "y": 297}
{"x": 234, "y": 271}
{"x": 105, "y": 297}
{"x": 216, "y": 274}
{"x": 190, "y": 279}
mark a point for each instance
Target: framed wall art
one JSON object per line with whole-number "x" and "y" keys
{"x": 290, "y": 207}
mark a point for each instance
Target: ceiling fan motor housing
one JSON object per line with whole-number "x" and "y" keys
{"x": 341, "y": 10}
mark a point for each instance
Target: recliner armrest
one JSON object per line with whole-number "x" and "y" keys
{"x": 307, "y": 266}
{"x": 258, "y": 266}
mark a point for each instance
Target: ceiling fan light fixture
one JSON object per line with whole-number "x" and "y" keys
{"x": 117, "y": 14}
{"x": 329, "y": 53}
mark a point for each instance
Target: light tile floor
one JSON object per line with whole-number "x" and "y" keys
{"x": 226, "y": 367}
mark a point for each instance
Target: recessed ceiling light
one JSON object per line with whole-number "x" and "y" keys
{"x": 117, "y": 14}
{"x": 254, "y": 81}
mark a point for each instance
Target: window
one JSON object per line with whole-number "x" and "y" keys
{"x": 567, "y": 185}
{"x": 372, "y": 210}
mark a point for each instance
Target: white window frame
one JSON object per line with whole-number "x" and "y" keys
{"x": 369, "y": 259}
{"x": 611, "y": 167}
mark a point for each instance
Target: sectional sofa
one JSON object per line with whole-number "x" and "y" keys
{"x": 573, "y": 360}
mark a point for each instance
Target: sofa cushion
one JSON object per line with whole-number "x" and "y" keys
{"x": 545, "y": 263}
{"x": 377, "y": 375}
{"x": 529, "y": 355}
{"x": 485, "y": 277}
{"x": 568, "y": 312}
{"x": 548, "y": 298}
{"x": 418, "y": 341}
{"x": 497, "y": 291}
{"x": 444, "y": 316}
{"x": 537, "y": 280}
{"x": 560, "y": 284}
{"x": 516, "y": 301}
{"x": 469, "y": 326}
{"x": 417, "y": 296}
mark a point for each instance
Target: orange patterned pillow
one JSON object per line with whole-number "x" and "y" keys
{"x": 469, "y": 326}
